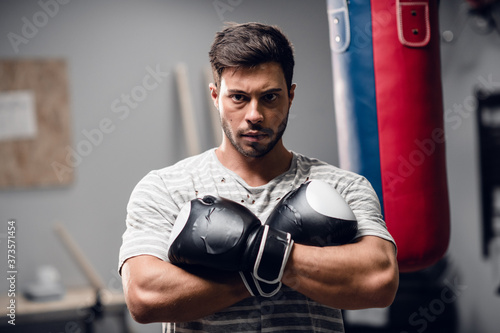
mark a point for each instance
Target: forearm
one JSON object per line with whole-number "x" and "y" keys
{"x": 353, "y": 276}
{"x": 157, "y": 291}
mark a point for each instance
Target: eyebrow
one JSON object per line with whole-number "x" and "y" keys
{"x": 269, "y": 91}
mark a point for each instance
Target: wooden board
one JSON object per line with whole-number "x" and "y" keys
{"x": 41, "y": 160}
{"x": 76, "y": 302}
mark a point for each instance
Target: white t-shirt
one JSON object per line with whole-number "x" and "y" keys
{"x": 157, "y": 199}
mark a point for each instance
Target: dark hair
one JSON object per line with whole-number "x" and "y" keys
{"x": 248, "y": 45}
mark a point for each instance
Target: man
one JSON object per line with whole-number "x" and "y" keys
{"x": 253, "y": 91}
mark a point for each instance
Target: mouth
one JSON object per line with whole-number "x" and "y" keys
{"x": 254, "y": 136}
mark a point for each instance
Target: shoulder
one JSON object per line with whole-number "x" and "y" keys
{"x": 355, "y": 189}
{"x": 185, "y": 170}
{"x": 176, "y": 180}
{"x": 317, "y": 169}
{"x": 187, "y": 165}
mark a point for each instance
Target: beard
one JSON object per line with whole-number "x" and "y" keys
{"x": 255, "y": 149}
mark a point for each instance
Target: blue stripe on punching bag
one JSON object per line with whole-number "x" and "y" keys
{"x": 354, "y": 89}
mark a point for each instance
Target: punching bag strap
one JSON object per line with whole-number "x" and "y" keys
{"x": 338, "y": 20}
{"x": 413, "y": 22}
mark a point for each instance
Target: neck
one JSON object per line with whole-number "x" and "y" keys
{"x": 256, "y": 171}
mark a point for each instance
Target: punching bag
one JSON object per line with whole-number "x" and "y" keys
{"x": 389, "y": 114}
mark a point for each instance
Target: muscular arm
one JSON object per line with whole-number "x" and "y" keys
{"x": 353, "y": 276}
{"x": 157, "y": 291}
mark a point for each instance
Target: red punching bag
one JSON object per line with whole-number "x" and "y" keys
{"x": 389, "y": 111}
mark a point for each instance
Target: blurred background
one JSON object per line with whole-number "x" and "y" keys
{"x": 121, "y": 108}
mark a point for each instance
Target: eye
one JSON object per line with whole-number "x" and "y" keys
{"x": 238, "y": 97}
{"x": 270, "y": 97}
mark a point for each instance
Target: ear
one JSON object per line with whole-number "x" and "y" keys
{"x": 291, "y": 94}
{"x": 214, "y": 93}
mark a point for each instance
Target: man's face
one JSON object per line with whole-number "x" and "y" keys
{"x": 253, "y": 105}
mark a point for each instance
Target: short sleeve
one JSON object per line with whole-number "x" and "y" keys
{"x": 364, "y": 202}
{"x": 151, "y": 213}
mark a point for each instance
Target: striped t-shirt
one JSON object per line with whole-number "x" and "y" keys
{"x": 157, "y": 199}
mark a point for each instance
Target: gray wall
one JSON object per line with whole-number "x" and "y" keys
{"x": 109, "y": 44}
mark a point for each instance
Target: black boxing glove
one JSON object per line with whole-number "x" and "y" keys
{"x": 315, "y": 214}
{"x": 222, "y": 234}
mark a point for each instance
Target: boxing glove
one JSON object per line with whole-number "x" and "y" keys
{"x": 222, "y": 234}
{"x": 314, "y": 214}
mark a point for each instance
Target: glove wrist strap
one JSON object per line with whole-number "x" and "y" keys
{"x": 274, "y": 250}
{"x": 256, "y": 287}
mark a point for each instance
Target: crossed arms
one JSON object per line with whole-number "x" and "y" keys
{"x": 363, "y": 274}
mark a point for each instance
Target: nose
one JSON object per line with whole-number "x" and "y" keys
{"x": 254, "y": 114}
